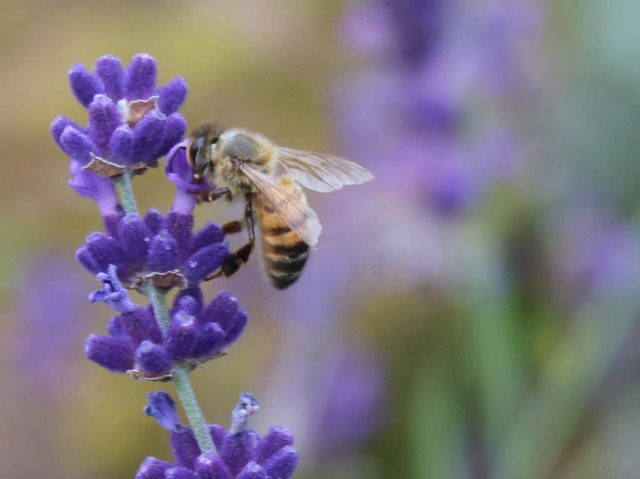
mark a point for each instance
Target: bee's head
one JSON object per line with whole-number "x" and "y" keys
{"x": 200, "y": 150}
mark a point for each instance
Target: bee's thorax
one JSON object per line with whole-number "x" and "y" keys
{"x": 238, "y": 146}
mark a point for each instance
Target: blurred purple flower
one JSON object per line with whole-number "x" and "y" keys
{"x": 352, "y": 410}
{"x": 242, "y": 453}
{"x": 416, "y": 118}
{"x": 596, "y": 254}
{"x": 47, "y": 335}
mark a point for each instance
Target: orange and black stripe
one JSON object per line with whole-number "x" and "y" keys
{"x": 284, "y": 253}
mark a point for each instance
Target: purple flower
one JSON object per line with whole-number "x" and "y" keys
{"x": 131, "y": 123}
{"x": 98, "y": 188}
{"x": 138, "y": 250}
{"x": 195, "y": 334}
{"x": 44, "y": 341}
{"x": 352, "y": 410}
{"x": 436, "y": 67}
{"x": 240, "y": 454}
{"x": 113, "y": 293}
{"x": 179, "y": 171}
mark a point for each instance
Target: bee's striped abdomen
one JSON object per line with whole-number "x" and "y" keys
{"x": 284, "y": 253}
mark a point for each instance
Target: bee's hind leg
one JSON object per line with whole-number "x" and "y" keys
{"x": 235, "y": 260}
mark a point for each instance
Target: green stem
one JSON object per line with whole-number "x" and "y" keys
{"x": 160, "y": 309}
{"x": 181, "y": 377}
{"x": 123, "y": 183}
{"x": 192, "y": 409}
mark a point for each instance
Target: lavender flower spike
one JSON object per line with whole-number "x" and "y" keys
{"x": 195, "y": 334}
{"x": 154, "y": 246}
{"x": 131, "y": 122}
{"x": 243, "y": 454}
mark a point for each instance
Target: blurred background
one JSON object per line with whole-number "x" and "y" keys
{"x": 472, "y": 313}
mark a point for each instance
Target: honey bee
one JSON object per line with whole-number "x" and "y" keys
{"x": 247, "y": 165}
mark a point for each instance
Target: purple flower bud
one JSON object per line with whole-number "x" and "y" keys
{"x": 218, "y": 433}
{"x": 153, "y": 358}
{"x": 162, "y": 407}
{"x": 277, "y": 438}
{"x": 282, "y": 464}
{"x": 174, "y": 128}
{"x": 147, "y": 135}
{"x": 188, "y": 304}
{"x": 181, "y": 337}
{"x": 179, "y": 227}
{"x": 141, "y": 77}
{"x": 172, "y": 95}
{"x": 180, "y": 473}
{"x": 58, "y": 125}
{"x": 184, "y": 447}
{"x": 116, "y": 329}
{"x": 135, "y": 238}
{"x": 103, "y": 120}
{"x": 113, "y": 293}
{"x": 121, "y": 145}
{"x": 84, "y": 84}
{"x": 205, "y": 261}
{"x": 141, "y": 325}
{"x": 154, "y": 220}
{"x": 152, "y": 468}
{"x": 77, "y": 145}
{"x": 163, "y": 253}
{"x": 109, "y": 70}
{"x": 209, "y": 234}
{"x": 210, "y": 466}
{"x": 104, "y": 250}
{"x": 246, "y": 406}
{"x": 221, "y": 310}
{"x": 224, "y": 305}
{"x": 85, "y": 258}
{"x": 252, "y": 471}
{"x": 237, "y": 450}
{"x": 210, "y": 339}
{"x": 234, "y": 329}
{"x": 116, "y": 355}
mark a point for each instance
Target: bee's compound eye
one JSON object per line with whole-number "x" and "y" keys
{"x": 194, "y": 149}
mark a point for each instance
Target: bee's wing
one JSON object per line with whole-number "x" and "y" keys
{"x": 321, "y": 172}
{"x": 288, "y": 203}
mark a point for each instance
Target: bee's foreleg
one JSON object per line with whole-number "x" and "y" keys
{"x": 235, "y": 260}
